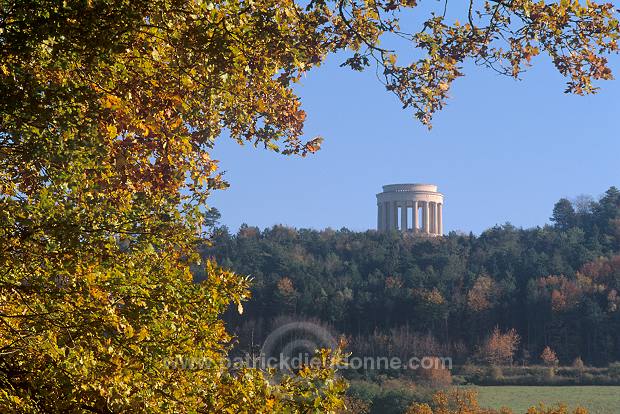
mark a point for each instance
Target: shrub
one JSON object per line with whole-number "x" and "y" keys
{"x": 461, "y": 401}
{"x": 392, "y": 396}
{"x": 495, "y": 373}
{"x": 471, "y": 370}
{"x": 588, "y": 378}
{"x": 363, "y": 390}
{"x": 438, "y": 376}
{"x": 560, "y": 409}
{"x": 355, "y": 406}
{"x": 614, "y": 370}
{"x": 578, "y": 363}
{"x": 549, "y": 374}
{"x": 392, "y": 401}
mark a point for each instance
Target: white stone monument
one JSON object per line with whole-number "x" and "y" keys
{"x": 420, "y": 205}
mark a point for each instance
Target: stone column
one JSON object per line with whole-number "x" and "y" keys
{"x": 425, "y": 211}
{"x": 395, "y": 215}
{"x": 440, "y": 217}
{"x": 403, "y": 217}
{"x": 380, "y": 216}
{"x": 416, "y": 223}
{"x": 430, "y": 217}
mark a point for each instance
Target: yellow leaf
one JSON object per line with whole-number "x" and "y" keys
{"x": 112, "y": 132}
{"x": 143, "y": 334}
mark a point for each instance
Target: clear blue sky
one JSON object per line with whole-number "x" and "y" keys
{"x": 501, "y": 151}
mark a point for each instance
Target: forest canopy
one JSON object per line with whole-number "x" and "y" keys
{"x": 557, "y": 285}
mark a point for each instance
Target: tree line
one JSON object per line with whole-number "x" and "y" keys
{"x": 553, "y": 286}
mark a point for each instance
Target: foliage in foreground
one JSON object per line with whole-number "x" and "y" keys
{"x": 460, "y": 401}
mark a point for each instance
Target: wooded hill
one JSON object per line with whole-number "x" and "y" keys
{"x": 557, "y": 285}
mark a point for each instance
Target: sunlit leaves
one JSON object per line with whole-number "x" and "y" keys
{"x": 504, "y": 36}
{"x": 108, "y": 114}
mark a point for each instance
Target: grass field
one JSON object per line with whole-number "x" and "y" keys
{"x": 597, "y": 399}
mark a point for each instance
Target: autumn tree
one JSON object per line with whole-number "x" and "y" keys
{"x": 499, "y": 348}
{"x": 548, "y": 357}
{"x": 482, "y": 295}
{"x": 286, "y": 294}
{"x": 108, "y": 114}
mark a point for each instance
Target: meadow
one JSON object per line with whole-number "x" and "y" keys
{"x": 597, "y": 399}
